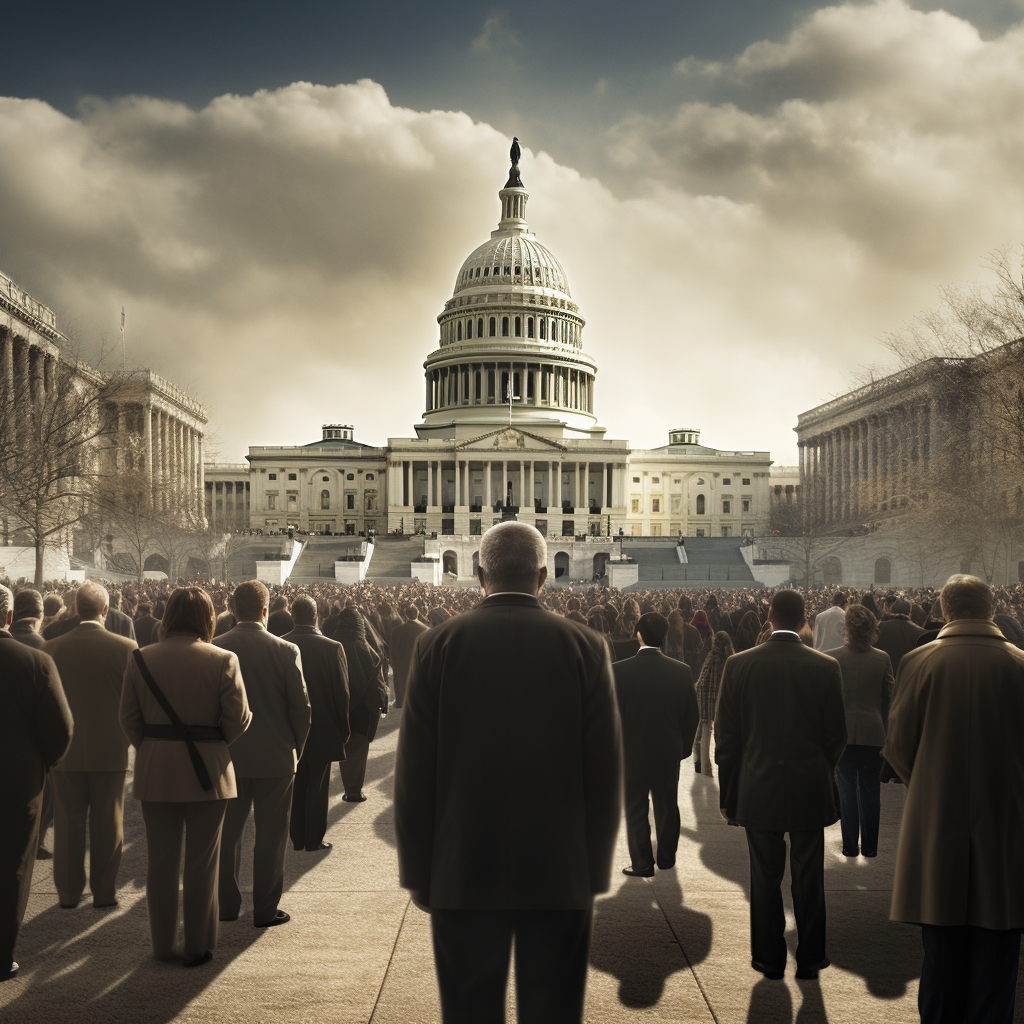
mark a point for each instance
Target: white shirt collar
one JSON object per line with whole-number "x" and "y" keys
{"x": 791, "y": 632}
{"x": 510, "y": 593}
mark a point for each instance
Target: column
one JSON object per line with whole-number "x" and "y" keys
{"x": 504, "y": 474}
{"x": 488, "y": 500}
{"x": 525, "y": 499}
{"x": 604, "y": 485}
{"x": 7, "y": 365}
{"x": 458, "y": 482}
{"x": 430, "y": 483}
{"x": 556, "y": 485}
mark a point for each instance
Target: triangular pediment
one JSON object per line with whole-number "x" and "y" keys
{"x": 509, "y": 439}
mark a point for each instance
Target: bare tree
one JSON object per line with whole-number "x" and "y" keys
{"x": 53, "y": 439}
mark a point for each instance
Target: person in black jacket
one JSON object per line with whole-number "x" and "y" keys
{"x": 779, "y": 733}
{"x": 658, "y": 708}
{"x": 325, "y": 670}
{"x": 508, "y": 788}
{"x": 116, "y": 620}
{"x": 35, "y": 731}
{"x": 146, "y": 626}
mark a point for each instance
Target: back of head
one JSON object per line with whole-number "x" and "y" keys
{"x": 304, "y": 611}
{"x": 251, "y": 598}
{"x": 280, "y": 603}
{"x": 6, "y": 604}
{"x": 70, "y": 601}
{"x": 52, "y": 605}
{"x": 839, "y": 599}
{"x": 901, "y": 607}
{"x": 350, "y": 626}
{"x": 158, "y": 609}
{"x": 685, "y": 607}
{"x": 787, "y": 610}
{"x": 512, "y": 556}
{"x": 861, "y": 628}
{"x": 28, "y": 604}
{"x": 653, "y": 629}
{"x": 410, "y": 611}
{"x": 966, "y": 597}
{"x": 189, "y": 611}
{"x": 143, "y": 610}
{"x": 91, "y": 600}
{"x": 114, "y": 599}
{"x": 721, "y": 646}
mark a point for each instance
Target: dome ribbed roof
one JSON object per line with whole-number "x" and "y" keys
{"x": 537, "y": 267}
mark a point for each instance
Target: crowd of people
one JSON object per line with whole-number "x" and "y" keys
{"x": 239, "y": 699}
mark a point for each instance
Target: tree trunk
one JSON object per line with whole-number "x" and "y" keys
{"x": 40, "y": 544}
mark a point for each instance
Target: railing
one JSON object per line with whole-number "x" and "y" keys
{"x": 694, "y": 572}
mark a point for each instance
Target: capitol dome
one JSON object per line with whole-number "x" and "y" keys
{"x": 510, "y": 347}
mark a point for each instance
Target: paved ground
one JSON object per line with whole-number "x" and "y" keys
{"x": 673, "y": 948}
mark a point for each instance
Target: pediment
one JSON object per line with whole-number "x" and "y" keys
{"x": 509, "y": 439}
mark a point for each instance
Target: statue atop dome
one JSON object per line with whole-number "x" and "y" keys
{"x": 514, "y": 181}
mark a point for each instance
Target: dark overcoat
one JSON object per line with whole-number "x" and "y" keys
{"x": 325, "y": 669}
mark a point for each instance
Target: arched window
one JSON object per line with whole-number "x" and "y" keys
{"x": 469, "y": 328}
{"x": 480, "y": 327}
{"x": 504, "y": 326}
{"x": 459, "y": 331}
{"x": 477, "y": 272}
{"x": 487, "y": 270}
{"x": 491, "y": 327}
{"x": 543, "y": 329}
{"x": 519, "y": 326}
{"x": 529, "y": 326}
{"x": 700, "y": 504}
{"x": 325, "y": 499}
{"x": 476, "y": 391}
{"x": 883, "y": 570}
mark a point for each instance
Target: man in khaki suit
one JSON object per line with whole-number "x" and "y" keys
{"x": 89, "y": 782}
{"x": 265, "y": 756}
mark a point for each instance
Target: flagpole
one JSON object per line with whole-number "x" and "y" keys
{"x": 123, "y": 359}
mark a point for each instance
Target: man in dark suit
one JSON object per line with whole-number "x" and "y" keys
{"x": 116, "y": 620}
{"x": 325, "y": 670}
{"x": 897, "y": 635}
{"x": 145, "y": 626}
{"x": 279, "y": 621}
{"x": 265, "y": 757}
{"x": 403, "y": 639}
{"x": 35, "y": 730}
{"x": 779, "y": 733}
{"x": 28, "y": 616}
{"x": 508, "y": 791}
{"x": 658, "y": 707}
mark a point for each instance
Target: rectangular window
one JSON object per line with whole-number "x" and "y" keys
{"x": 726, "y": 507}
{"x": 700, "y": 531}
{"x": 746, "y": 504}
{"x": 746, "y": 481}
{"x": 292, "y": 476}
{"x": 636, "y": 479}
{"x": 655, "y": 529}
{"x": 655, "y": 479}
{"x": 634, "y": 505}
{"x": 727, "y": 481}
{"x": 350, "y": 501}
{"x": 271, "y": 476}
{"x": 725, "y": 531}
{"x": 655, "y": 504}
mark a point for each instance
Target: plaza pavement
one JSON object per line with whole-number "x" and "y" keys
{"x": 672, "y": 948}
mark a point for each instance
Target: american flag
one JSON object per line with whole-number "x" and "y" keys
{"x": 122, "y": 320}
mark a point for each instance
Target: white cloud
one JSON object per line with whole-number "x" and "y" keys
{"x": 286, "y": 254}
{"x": 496, "y": 34}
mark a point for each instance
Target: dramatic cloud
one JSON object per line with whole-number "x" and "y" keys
{"x": 284, "y": 255}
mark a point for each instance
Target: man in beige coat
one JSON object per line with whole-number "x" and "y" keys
{"x": 265, "y": 757}
{"x": 89, "y": 782}
{"x": 954, "y": 738}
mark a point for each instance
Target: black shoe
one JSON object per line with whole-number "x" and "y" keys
{"x": 353, "y": 799}
{"x": 68, "y": 906}
{"x": 43, "y": 854}
{"x": 666, "y": 865}
{"x": 848, "y": 853}
{"x": 811, "y": 973}
{"x": 235, "y": 918}
{"x": 771, "y": 973}
{"x": 279, "y": 918}
{"x": 11, "y": 971}
{"x": 317, "y": 849}
{"x": 198, "y": 960}
{"x": 633, "y": 873}
{"x": 104, "y": 906}
{"x": 864, "y": 853}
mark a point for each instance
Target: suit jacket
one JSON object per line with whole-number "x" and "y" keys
{"x": 146, "y": 630}
{"x": 779, "y": 732}
{"x": 403, "y": 639}
{"x": 204, "y": 686}
{"x": 35, "y": 724}
{"x": 92, "y": 662}
{"x": 119, "y": 623}
{"x": 830, "y": 629}
{"x": 658, "y": 707}
{"x": 276, "y": 691}
{"x": 954, "y": 739}
{"x": 509, "y": 769}
{"x": 1011, "y": 629}
{"x": 867, "y": 693}
{"x": 897, "y": 636}
{"x": 23, "y": 632}
{"x": 61, "y": 626}
{"x": 325, "y": 669}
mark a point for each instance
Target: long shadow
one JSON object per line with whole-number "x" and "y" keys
{"x": 105, "y": 963}
{"x": 770, "y": 1003}
{"x": 861, "y": 938}
{"x": 622, "y": 946}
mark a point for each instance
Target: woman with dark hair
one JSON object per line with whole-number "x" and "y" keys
{"x": 368, "y": 699}
{"x": 182, "y": 703}
{"x": 707, "y": 699}
{"x": 706, "y": 633}
{"x": 867, "y": 692}
{"x": 747, "y": 631}
{"x": 675, "y": 642}
{"x": 868, "y": 601}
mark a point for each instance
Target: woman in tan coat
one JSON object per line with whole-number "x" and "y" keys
{"x": 184, "y": 786}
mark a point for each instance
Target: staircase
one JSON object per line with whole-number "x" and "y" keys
{"x": 391, "y": 558}
{"x": 319, "y": 555}
{"x": 713, "y": 561}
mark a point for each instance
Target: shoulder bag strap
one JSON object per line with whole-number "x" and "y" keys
{"x": 193, "y": 751}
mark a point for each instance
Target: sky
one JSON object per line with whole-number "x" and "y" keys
{"x": 746, "y": 196}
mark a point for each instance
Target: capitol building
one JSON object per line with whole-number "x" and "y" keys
{"x": 509, "y": 427}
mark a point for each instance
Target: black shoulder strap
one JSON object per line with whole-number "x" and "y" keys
{"x": 193, "y": 752}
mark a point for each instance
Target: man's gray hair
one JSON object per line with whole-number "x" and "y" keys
{"x": 967, "y": 597}
{"x": 91, "y": 600}
{"x": 512, "y": 556}
{"x": 6, "y": 604}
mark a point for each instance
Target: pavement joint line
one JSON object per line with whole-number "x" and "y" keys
{"x": 384, "y": 979}
{"x": 682, "y": 949}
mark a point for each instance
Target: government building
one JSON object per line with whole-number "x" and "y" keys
{"x": 509, "y": 427}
